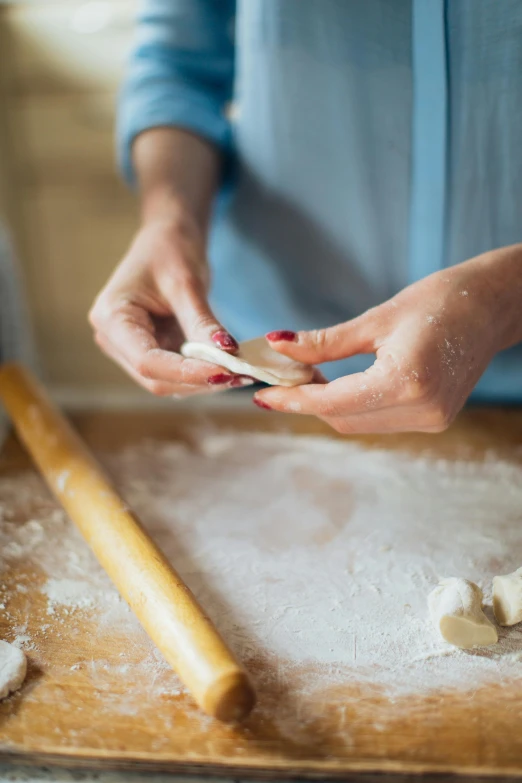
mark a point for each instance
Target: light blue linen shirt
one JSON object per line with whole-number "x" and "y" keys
{"x": 372, "y": 143}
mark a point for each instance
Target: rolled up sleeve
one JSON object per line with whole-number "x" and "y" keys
{"x": 181, "y": 73}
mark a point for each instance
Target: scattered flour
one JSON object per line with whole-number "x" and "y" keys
{"x": 72, "y": 593}
{"x": 313, "y": 552}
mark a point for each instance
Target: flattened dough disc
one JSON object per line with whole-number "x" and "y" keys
{"x": 13, "y": 668}
{"x": 255, "y": 358}
{"x": 456, "y": 610}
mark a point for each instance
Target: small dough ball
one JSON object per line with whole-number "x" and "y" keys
{"x": 507, "y": 598}
{"x": 13, "y": 668}
{"x": 456, "y": 610}
{"x": 255, "y": 358}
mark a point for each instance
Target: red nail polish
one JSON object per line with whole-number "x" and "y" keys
{"x": 240, "y": 381}
{"x": 282, "y": 335}
{"x": 221, "y": 377}
{"x": 261, "y": 404}
{"x": 225, "y": 341}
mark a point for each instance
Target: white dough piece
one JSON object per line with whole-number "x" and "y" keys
{"x": 13, "y": 668}
{"x": 255, "y": 358}
{"x": 507, "y": 598}
{"x": 456, "y": 610}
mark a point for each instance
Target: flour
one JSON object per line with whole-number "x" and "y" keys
{"x": 314, "y": 554}
{"x": 69, "y": 592}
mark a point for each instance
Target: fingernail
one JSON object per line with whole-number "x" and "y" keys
{"x": 225, "y": 341}
{"x": 261, "y": 404}
{"x": 242, "y": 380}
{"x": 282, "y": 335}
{"x": 221, "y": 377}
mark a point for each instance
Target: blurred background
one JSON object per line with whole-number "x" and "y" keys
{"x": 69, "y": 215}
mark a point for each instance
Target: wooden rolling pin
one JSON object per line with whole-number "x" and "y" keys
{"x": 156, "y": 593}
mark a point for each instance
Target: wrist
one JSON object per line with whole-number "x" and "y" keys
{"x": 163, "y": 203}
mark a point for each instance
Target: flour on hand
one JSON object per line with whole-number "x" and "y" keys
{"x": 255, "y": 358}
{"x": 13, "y": 668}
{"x": 456, "y": 610}
{"x": 507, "y": 598}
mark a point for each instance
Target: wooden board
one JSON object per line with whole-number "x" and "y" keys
{"x": 58, "y": 718}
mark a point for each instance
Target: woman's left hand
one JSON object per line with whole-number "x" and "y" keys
{"x": 432, "y": 343}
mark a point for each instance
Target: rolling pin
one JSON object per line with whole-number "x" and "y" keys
{"x": 158, "y": 596}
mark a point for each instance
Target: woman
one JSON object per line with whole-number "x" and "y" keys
{"x": 369, "y": 202}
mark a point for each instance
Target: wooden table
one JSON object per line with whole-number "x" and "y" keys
{"x": 442, "y": 734}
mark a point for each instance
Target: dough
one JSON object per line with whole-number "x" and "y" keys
{"x": 456, "y": 610}
{"x": 255, "y": 358}
{"x": 507, "y": 598}
{"x": 13, "y": 668}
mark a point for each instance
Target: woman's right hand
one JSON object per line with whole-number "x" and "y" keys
{"x": 155, "y": 300}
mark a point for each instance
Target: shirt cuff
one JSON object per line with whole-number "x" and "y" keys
{"x": 143, "y": 109}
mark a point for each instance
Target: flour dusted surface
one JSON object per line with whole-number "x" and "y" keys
{"x": 311, "y": 552}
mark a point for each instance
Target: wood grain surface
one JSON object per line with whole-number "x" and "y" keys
{"x": 62, "y": 716}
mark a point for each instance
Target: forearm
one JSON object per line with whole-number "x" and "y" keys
{"x": 177, "y": 172}
{"x": 500, "y": 287}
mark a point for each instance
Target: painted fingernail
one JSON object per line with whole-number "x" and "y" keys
{"x": 242, "y": 380}
{"x": 225, "y": 341}
{"x": 221, "y": 377}
{"x": 283, "y": 335}
{"x": 261, "y": 404}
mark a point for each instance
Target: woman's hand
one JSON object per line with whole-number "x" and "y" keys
{"x": 432, "y": 343}
{"x": 156, "y": 299}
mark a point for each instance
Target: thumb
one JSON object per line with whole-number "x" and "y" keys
{"x": 190, "y": 306}
{"x": 326, "y": 345}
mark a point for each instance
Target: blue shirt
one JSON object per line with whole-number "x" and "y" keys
{"x": 372, "y": 143}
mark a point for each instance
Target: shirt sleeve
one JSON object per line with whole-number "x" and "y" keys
{"x": 181, "y": 73}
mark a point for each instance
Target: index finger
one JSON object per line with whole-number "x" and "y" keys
{"x": 136, "y": 343}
